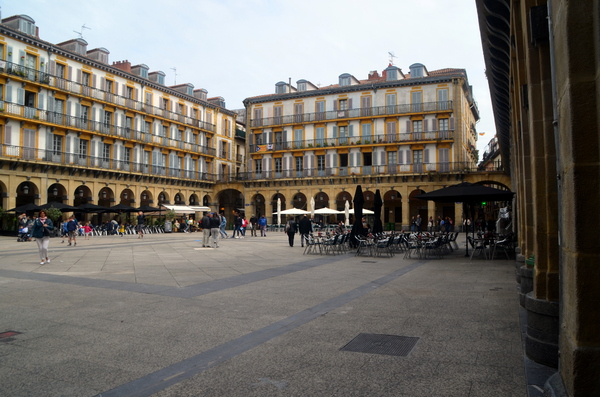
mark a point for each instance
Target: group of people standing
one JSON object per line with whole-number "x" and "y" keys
{"x": 303, "y": 226}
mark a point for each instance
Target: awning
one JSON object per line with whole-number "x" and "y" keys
{"x": 186, "y": 209}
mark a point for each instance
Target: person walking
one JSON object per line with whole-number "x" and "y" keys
{"x": 253, "y": 225}
{"x": 291, "y": 228}
{"x": 305, "y": 228}
{"x": 418, "y": 221}
{"x": 41, "y": 232}
{"x": 206, "y": 230}
{"x": 237, "y": 226}
{"x": 262, "y": 222}
{"x": 223, "y": 225}
{"x": 72, "y": 227}
{"x": 215, "y": 224}
{"x": 141, "y": 219}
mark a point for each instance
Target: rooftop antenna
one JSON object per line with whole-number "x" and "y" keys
{"x": 392, "y": 56}
{"x": 81, "y": 33}
{"x": 175, "y": 70}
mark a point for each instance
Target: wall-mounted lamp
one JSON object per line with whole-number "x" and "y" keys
{"x": 25, "y": 189}
{"x": 104, "y": 194}
{"x": 55, "y": 191}
{"x": 125, "y": 195}
{"x": 80, "y": 192}
{"x": 144, "y": 196}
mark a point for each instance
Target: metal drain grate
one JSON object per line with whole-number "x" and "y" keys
{"x": 391, "y": 345}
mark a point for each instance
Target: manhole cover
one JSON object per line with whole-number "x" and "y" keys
{"x": 391, "y": 345}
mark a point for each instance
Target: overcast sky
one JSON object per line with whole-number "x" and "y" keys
{"x": 241, "y": 48}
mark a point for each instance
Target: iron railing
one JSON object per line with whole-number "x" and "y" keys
{"x": 388, "y": 110}
{"x": 355, "y": 140}
{"x": 59, "y": 119}
{"x": 95, "y": 93}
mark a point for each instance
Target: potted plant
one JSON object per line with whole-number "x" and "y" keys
{"x": 55, "y": 215}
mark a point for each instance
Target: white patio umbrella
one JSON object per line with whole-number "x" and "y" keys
{"x": 347, "y": 212}
{"x": 327, "y": 211}
{"x": 312, "y": 207}
{"x": 279, "y": 210}
{"x": 293, "y": 211}
{"x": 364, "y": 211}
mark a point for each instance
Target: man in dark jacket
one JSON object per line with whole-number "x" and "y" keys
{"x": 206, "y": 230}
{"x": 305, "y": 227}
{"x": 215, "y": 225}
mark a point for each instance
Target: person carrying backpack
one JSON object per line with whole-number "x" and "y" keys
{"x": 291, "y": 228}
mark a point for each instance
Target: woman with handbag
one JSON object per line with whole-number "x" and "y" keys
{"x": 41, "y": 232}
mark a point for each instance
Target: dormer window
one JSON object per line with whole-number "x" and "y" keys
{"x": 302, "y": 86}
{"x": 281, "y": 87}
{"x": 345, "y": 80}
{"x": 27, "y": 27}
{"x": 418, "y": 70}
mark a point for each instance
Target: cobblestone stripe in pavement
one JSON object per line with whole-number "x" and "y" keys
{"x": 176, "y": 292}
{"x": 178, "y": 372}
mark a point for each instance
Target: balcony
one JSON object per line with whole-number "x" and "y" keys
{"x": 333, "y": 115}
{"x": 370, "y": 170}
{"x": 10, "y": 152}
{"x": 430, "y": 136}
{"x": 97, "y": 94}
{"x": 54, "y": 119}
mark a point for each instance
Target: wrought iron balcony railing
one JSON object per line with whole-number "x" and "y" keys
{"x": 76, "y": 159}
{"x": 62, "y": 120}
{"x": 389, "y": 110}
{"x": 355, "y": 140}
{"x": 95, "y": 93}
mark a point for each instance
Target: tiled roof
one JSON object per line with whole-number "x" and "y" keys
{"x": 381, "y": 79}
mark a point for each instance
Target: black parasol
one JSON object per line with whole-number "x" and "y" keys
{"x": 357, "y": 227}
{"x": 377, "y": 204}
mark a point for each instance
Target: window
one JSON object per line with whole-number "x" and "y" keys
{"x": 417, "y": 160}
{"x": 163, "y": 131}
{"x": 105, "y": 152}
{"x": 147, "y": 127}
{"x": 416, "y": 99}
{"x": 278, "y": 166}
{"x": 83, "y": 149}
{"x": 57, "y": 142}
{"x": 343, "y": 135}
{"x": 299, "y": 165}
{"x": 258, "y": 115}
{"x": 126, "y": 154}
{"x": 390, "y": 103}
{"x": 321, "y": 162}
{"x": 367, "y": 159}
{"x": 298, "y": 138}
{"x": 443, "y": 124}
{"x": 345, "y": 80}
{"x": 85, "y": 79}
{"x": 108, "y": 87}
{"x": 129, "y": 92}
{"x": 343, "y": 104}
{"x": 392, "y": 158}
{"x": 258, "y": 166}
{"x": 258, "y": 139}
{"x": 417, "y": 126}
{"x": 165, "y": 103}
{"x": 60, "y": 70}
{"x": 85, "y": 112}
{"x": 320, "y": 110}
{"x": 365, "y": 106}
{"x": 302, "y": 86}
{"x": 320, "y": 136}
{"x": 443, "y": 99}
{"x": 107, "y": 118}
{"x": 366, "y": 132}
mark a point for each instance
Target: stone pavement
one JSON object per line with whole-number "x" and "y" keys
{"x": 122, "y": 316}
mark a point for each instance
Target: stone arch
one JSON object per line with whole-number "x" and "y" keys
{"x": 27, "y": 192}
{"x": 179, "y": 199}
{"x": 127, "y": 197}
{"x": 146, "y": 198}
{"x": 259, "y": 205}
{"x": 299, "y": 201}
{"x": 163, "y": 198}
{"x": 193, "y": 199}
{"x": 417, "y": 207}
{"x": 321, "y": 200}
{"x": 57, "y": 193}
{"x": 392, "y": 207}
{"x": 340, "y": 200}
{"x": 82, "y": 195}
{"x": 106, "y": 197}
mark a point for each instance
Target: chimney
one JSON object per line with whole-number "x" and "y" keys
{"x": 123, "y": 65}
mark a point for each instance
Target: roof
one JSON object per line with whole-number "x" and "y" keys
{"x": 446, "y": 72}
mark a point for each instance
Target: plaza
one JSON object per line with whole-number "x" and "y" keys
{"x": 162, "y": 316}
